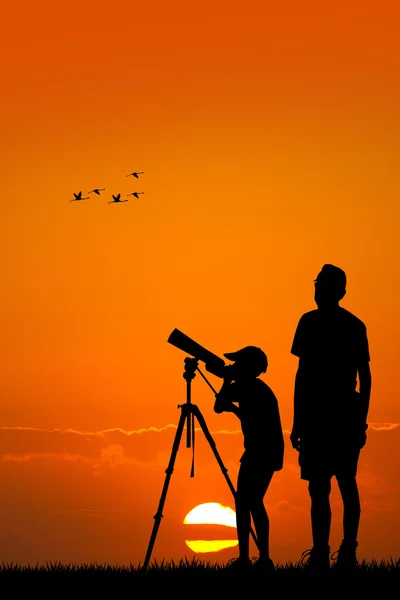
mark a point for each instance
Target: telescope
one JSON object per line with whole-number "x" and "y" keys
{"x": 213, "y": 363}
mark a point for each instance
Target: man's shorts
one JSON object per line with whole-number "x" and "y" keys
{"x": 328, "y": 460}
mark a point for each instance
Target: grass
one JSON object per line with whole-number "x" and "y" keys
{"x": 96, "y": 578}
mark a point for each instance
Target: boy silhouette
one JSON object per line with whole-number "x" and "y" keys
{"x": 330, "y": 415}
{"x": 255, "y": 404}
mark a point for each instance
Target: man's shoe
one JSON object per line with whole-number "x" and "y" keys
{"x": 344, "y": 559}
{"x": 316, "y": 561}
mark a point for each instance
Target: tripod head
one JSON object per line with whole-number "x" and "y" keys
{"x": 191, "y": 365}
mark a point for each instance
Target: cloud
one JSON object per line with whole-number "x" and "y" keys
{"x": 110, "y": 445}
{"x": 144, "y": 454}
{"x": 380, "y": 506}
{"x": 142, "y": 446}
{"x": 383, "y": 426}
{"x": 103, "y": 487}
{"x": 92, "y": 512}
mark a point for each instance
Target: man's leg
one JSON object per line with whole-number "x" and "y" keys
{"x": 345, "y": 558}
{"x": 318, "y": 557}
{"x": 319, "y": 489}
{"x": 351, "y": 507}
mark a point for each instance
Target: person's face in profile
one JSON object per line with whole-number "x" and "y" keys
{"x": 327, "y": 294}
{"x": 241, "y": 371}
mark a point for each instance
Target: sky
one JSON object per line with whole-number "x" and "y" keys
{"x": 268, "y": 138}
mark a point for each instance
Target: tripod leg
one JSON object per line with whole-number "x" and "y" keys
{"x": 158, "y": 516}
{"x": 224, "y": 470}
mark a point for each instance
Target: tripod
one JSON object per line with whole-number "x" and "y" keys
{"x": 188, "y": 413}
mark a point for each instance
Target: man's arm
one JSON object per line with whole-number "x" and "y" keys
{"x": 297, "y": 350}
{"x": 365, "y": 381}
{"x": 298, "y": 408}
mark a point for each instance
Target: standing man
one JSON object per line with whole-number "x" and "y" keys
{"x": 331, "y": 401}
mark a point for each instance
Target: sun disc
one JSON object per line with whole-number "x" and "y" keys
{"x": 208, "y": 546}
{"x": 212, "y": 513}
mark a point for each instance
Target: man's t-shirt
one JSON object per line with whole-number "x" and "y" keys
{"x": 330, "y": 345}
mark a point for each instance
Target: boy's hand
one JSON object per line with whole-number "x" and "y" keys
{"x": 228, "y": 374}
{"x": 223, "y": 405}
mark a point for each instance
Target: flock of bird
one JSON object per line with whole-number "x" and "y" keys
{"x": 116, "y": 197}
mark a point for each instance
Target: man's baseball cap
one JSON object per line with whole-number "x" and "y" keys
{"x": 332, "y": 276}
{"x": 250, "y": 355}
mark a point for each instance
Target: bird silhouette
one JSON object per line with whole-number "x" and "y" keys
{"x": 136, "y": 194}
{"x": 97, "y": 191}
{"x": 136, "y": 174}
{"x": 117, "y": 198}
{"x": 78, "y": 196}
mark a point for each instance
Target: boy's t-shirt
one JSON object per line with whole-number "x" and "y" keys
{"x": 260, "y": 422}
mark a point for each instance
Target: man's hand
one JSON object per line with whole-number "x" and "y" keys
{"x": 362, "y": 440}
{"x": 295, "y": 440}
{"x": 362, "y": 437}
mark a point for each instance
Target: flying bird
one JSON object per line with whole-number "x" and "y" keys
{"x": 79, "y": 197}
{"x": 97, "y": 191}
{"x": 117, "y": 198}
{"x": 136, "y": 194}
{"x": 136, "y": 174}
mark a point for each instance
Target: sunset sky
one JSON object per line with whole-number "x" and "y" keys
{"x": 268, "y": 136}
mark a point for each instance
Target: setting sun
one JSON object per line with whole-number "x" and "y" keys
{"x": 211, "y": 513}
{"x": 205, "y": 546}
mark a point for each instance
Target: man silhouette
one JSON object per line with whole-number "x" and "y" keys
{"x": 330, "y": 415}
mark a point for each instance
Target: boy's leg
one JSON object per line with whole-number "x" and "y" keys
{"x": 243, "y": 520}
{"x": 253, "y": 483}
{"x": 259, "y": 513}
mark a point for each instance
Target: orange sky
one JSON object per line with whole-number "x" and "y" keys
{"x": 269, "y": 143}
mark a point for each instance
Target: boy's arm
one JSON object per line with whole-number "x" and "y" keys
{"x": 225, "y": 398}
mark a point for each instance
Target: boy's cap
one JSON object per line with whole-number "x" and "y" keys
{"x": 250, "y": 355}
{"x": 332, "y": 276}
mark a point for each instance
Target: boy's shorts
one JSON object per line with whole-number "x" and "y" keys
{"x": 254, "y": 476}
